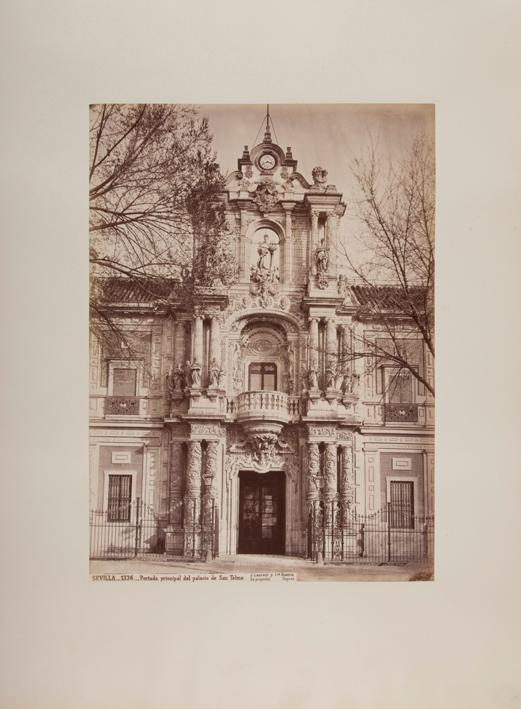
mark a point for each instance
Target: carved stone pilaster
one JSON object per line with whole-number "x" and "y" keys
{"x": 209, "y": 480}
{"x": 330, "y": 472}
{"x": 192, "y": 500}
{"x": 313, "y": 487}
{"x": 347, "y": 483}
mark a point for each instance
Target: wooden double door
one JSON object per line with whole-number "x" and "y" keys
{"x": 261, "y": 512}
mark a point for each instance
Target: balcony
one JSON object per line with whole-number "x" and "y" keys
{"x": 122, "y": 406}
{"x": 269, "y": 410}
{"x": 401, "y": 413}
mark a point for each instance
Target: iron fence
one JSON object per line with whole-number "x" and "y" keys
{"x": 134, "y": 529}
{"x": 390, "y": 535}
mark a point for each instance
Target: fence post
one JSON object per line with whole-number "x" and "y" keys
{"x": 136, "y": 537}
{"x": 388, "y": 531}
{"x": 193, "y": 530}
{"x": 361, "y": 540}
{"x": 425, "y": 540}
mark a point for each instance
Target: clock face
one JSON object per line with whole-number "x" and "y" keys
{"x": 267, "y": 162}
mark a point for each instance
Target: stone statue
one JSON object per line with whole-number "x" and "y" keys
{"x": 178, "y": 377}
{"x": 266, "y": 251}
{"x": 222, "y": 377}
{"x": 169, "y": 382}
{"x": 313, "y": 376}
{"x": 322, "y": 258}
{"x": 330, "y": 376}
{"x": 214, "y": 373}
{"x": 355, "y": 383}
{"x": 346, "y": 383}
{"x": 188, "y": 373}
{"x": 319, "y": 176}
{"x": 195, "y": 370}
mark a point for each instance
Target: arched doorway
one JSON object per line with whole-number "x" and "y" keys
{"x": 262, "y": 505}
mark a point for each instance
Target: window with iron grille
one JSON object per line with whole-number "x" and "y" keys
{"x": 262, "y": 376}
{"x": 401, "y": 495}
{"x": 120, "y": 493}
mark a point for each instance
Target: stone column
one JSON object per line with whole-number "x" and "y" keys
{"x": 313, "y": 341}
{"x": 192, "y": 500}
{"x": 313, "y": 239}
{"x": 174, "y": 532}
{"x": 215, "y": 340}
{"x": 208, "y": 498}
{"x": 332, "y": 240}
{"x": 331, "y": 353}
{"x": 242, "y": 245}
{"x": 288, "y": 246}
{"x": 197, "y": 347}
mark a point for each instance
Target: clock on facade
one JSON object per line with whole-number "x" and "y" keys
{"x": 267, "y": 161}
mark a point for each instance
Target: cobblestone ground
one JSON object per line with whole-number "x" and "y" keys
{"x": 303, "y": 569}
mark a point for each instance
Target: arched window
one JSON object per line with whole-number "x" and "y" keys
{"x": 262, "y": 376}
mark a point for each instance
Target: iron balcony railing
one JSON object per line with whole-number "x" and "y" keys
{"x": 397, "y": 413}
{"x": 122, "y": 406}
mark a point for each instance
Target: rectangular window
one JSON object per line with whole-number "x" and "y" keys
{"x": 120, "y": 495}
{"x": 124, "y": 382}
{"x": 262, "y": 377}
{"x": 402, "y": 504}
{"x": 399, "y": 386}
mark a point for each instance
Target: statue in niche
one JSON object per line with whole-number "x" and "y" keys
{"x": 266, "y": 251}
{"x": 214, "y": 372}
{"x": 188, "y": 373}
{"x": 178, "y": 377}
{"x": 322, "y": 258}
{"x": 264, "y": 276}
{"x": 313, "y": 376}
{"x": 346, "y": 382}
{"x": 330, "y": 376}
{"x": 195, "y": 370}
{"x": 170, "y": 382}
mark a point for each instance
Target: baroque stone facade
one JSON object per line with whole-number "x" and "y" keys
{"x": 255, "y": 385}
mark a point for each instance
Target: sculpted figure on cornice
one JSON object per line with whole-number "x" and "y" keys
{"x": 319, "y": 176}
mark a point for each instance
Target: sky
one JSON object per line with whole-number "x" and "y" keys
{"x": 329, "y": 135}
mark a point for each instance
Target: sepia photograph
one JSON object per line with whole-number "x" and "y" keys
{"x": 262, "y": 341}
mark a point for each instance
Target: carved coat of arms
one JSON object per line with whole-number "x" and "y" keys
{"x": 266, "y": 196}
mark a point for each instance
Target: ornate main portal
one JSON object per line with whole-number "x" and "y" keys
{"x": 257, "y": 491}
